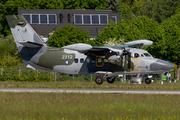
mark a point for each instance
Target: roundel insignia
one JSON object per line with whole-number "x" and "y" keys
{"x": 66, "y": 62}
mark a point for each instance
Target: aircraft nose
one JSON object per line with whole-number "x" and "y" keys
{"x": 161, "y": 65}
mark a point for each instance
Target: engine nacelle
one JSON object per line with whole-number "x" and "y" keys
{"x": 143, "y": 42}
{"x": 114, "y": 57}
{"x": 78, "y": 47}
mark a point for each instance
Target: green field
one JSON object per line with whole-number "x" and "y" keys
{"x": 83, "y": 84}
{"x": 73, "y": 106}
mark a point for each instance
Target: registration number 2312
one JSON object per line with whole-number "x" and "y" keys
{"x": 67, "y": 56}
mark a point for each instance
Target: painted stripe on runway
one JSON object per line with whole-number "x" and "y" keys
{"x": 73, "y": 90}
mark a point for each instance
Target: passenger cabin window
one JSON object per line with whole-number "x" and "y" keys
{"x": 76, "y": 60}
{"x": 87, "y": 60}
{"x": 81, "y": 60}
{"x": 99, "y": 60}
{"x": 92, "y": 61}
{"x": 147, "y": 54}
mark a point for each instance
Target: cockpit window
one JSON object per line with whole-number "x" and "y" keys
{"x": 142, "y": 55}
{"x": 147, "y": 54}
{"x": 136, "y": 55}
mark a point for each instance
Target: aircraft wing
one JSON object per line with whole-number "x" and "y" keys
{"x": 107, "y": 51}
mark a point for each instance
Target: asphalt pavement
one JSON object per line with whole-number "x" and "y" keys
{"x": 77, "y": 90}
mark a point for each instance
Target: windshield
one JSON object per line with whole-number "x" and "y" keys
{"x": 147, "y": 54}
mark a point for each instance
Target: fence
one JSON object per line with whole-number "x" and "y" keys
{"x": 54, "y": 76}
{"x": 22, "y": 71}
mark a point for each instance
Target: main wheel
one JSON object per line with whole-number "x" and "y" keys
{"x": 110, "y": 79}
{"x": 147, "y": 80}
{"x": 99, "y": 80}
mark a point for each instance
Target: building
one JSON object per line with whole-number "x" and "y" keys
{"x": 45, "y": 21}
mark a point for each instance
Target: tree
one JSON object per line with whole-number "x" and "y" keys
{"x": 69, "y": 35}
{"x": 159, "y": 10}
{"x": 169, "y": 48}
{"x": 113, "y": 5}
{"x": 139, "y": 28}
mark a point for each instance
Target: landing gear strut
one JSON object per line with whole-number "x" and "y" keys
{"x": 110, "y": 79}
{"x": 99, "y": 80}
{"x": 148, "y": 80}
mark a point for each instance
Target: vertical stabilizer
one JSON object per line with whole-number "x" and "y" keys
{"x": 27, "y": 40}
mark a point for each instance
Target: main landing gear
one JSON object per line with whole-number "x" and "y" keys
{"x": 99, "y": 80}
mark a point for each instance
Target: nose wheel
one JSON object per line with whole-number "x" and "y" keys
{"x": 99, "y": 80}
{"x": 110, "y": 79}
{"x": 148, "y": 81}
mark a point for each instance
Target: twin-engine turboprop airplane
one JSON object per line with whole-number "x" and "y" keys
{"x": 84, "y": 59}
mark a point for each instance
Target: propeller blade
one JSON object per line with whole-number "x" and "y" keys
{"x": 129, "y": 60}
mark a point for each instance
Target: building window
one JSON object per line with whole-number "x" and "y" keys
{"x": 40, "y": 18}
{"x": 35, "y": 19}
{"x": 103, "y": 19}
{"x": 114, "y": 19}
{"x": 27, "y": 17}
{"x": 43, "y": 19}
{"x": 78, "y": 19}
{"x": 52, "y": 19}
{"x": 95, "y": 19}
{"x": 91, "y": 19}
{"x": 86, "y": 19}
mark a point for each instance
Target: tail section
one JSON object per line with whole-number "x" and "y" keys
{"x": 27, "y": 40}
{"x": 29, "y": 44}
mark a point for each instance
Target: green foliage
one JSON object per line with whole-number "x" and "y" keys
{"x": 170, "y": 45}
{"x": 8, "y": 54}
{"x": 139, "y": 28}
{"x": 159, "y": 10}
{"x": 30, "y": 77}
{"x": 69, "y": 35}
{"x": 113, "y": 5}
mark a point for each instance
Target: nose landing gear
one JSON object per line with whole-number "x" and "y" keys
{"x": 110, "y": 79}
{"x": 148, "y": 80}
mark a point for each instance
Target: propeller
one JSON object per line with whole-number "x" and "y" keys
{"x": 127, "y": 57}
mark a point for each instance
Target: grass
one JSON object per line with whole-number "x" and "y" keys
{"x": 93, "y": 85}
{"x": 73, "y": 106}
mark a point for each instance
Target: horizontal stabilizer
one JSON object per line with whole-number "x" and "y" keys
{"x": 30, "y": 44}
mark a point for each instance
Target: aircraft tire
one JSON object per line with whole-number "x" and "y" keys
{"x": 148, "y": 81}
{"x": 99, "y": 80}
{"x": 110, "y": 79}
